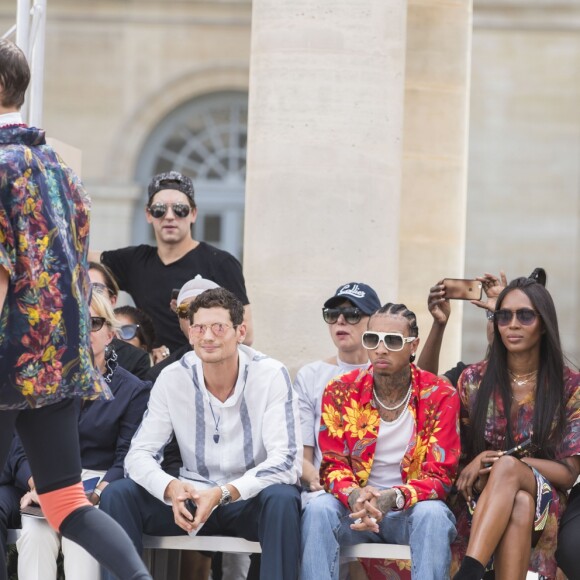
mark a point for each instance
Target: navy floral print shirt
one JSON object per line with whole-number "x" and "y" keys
{"x": 45, "y": 353}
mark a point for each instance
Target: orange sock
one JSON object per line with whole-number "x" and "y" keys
{"x": 59, "y": 504}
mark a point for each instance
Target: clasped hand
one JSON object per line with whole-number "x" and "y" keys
{"x": 366, "y": 513}
{"x": 205, "y": 500}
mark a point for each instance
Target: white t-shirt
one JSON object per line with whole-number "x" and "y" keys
{"x": 310, "y": 383}
{"x": 392, "y": 442}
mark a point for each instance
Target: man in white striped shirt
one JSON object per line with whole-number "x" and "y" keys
{"x": 235, "y": 418}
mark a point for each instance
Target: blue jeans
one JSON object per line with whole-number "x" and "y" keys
{"x": 428, "y": 527}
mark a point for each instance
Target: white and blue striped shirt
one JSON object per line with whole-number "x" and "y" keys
{"x": 252, "y": 440}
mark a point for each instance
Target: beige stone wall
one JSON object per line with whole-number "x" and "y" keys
{"x": 433, "y": 199}
{"x": 115, "y": 69}
{"x": 524, "y": 165}
{"x": 324, "y": 163}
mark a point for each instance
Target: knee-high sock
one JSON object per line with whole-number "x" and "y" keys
{"x": 59, "y": 504}
{"x": 104, "y": 539}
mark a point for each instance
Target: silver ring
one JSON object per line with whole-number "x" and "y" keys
{"x": 166, "y": 353}
{"x": 358, "y": 521}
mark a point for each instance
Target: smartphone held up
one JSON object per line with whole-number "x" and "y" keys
{"x": 461, "y": 289}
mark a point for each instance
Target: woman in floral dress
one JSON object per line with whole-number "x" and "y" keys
{"x": 523, "y": 395}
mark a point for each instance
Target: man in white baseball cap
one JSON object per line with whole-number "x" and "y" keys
{"x": 188, "y": 293}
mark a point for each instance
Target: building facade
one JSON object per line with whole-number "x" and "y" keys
{"x": 142, "y": 86}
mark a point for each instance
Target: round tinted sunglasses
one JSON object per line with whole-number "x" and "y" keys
{"x": 97, "y": 323}
{"x": 393, "y": 341}
{"x": 351, "y": 315}
{"x": 525, "y": 316}
{"x": 128, "y": 331}
{"x": 218, "y": 329}
{"x": 158, "y": 210}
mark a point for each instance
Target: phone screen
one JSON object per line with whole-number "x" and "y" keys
{"x": 460, "y": 289}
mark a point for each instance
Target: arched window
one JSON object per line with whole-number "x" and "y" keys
{"x": 205, "y": 139}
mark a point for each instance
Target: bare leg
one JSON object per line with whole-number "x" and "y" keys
{"x": 512, "y": 556}
{"x": 496, "y": 505}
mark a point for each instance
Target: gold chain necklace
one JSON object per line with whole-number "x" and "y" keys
{"x": 521, "y": 380}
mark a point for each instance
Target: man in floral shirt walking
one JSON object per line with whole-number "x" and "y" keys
{"x": 45, "y": 324}
{"x": 390, "y": 446}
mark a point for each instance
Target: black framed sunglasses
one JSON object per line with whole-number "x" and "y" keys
{"x": 97, "y": 323}
{"x": 351, "y": 315}
{"x": 525, "y": 316}
{"x": 128, "y": 331}
{"x": 393, "y": 341}
{"x": 158, "y": 210}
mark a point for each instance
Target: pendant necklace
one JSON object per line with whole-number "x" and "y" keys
{"x": 216, "y": 435}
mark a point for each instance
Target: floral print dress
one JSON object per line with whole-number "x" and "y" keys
{"x": 542, "y": 559}
{"x": 45, "y": 351}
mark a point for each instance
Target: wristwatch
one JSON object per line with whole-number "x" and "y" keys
{"x": 400, "y": 499}
{"x": 226, "y": 496}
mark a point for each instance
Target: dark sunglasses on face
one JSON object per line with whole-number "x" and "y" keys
{"x": 525, "y": 316}
{"x": 97, "y": 323}
{"x": 393, "y": 341}
{"x": 158, "y": 210}
{"x": 351, "y": 315}
{"x": 128, "y": 331}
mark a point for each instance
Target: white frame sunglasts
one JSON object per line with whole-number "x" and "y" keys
{"x": 382, "y": 335}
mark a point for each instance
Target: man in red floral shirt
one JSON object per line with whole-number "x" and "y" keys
{"x": 390, "y": 446}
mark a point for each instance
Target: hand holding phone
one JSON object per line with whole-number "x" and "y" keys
{"x": 191, "y": 507}
{"x": 522, "y": 450}
{"x": 461, "y": 289}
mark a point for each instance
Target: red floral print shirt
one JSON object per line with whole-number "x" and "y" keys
{"x": 350, "y": 425}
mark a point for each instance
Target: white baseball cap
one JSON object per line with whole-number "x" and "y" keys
{"x": 194, "y": 288}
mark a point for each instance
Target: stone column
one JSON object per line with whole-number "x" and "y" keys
{"x": 435, "y": 156}
{"x": 324, "y": 163}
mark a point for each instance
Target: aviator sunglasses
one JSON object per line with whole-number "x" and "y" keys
{"x": 393, "y": 341}
{"x": 525, "y": 316}
{"x": 158, "y": 210}
{"x": 351, "y": 315}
